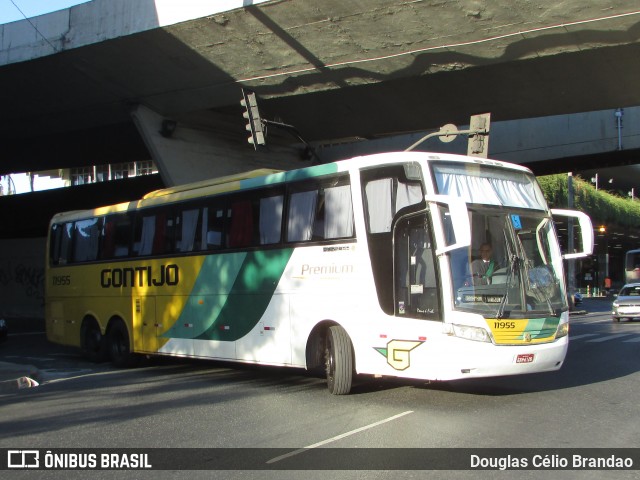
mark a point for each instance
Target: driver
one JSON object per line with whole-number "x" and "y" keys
{"x": 483, "y": 268}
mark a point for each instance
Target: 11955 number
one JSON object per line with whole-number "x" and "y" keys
{"x": 504, "y": 325}
{"x": 61, "y": 280}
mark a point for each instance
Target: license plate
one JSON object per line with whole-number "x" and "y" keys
{"x": 525, "y": 358}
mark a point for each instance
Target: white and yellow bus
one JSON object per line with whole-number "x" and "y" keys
{"x": 355, "y": 267}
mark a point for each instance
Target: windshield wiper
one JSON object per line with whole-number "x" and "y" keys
{"x": 514, "y": 261}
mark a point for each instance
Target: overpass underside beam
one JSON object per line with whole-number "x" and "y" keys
{"x": 191, "y": 148}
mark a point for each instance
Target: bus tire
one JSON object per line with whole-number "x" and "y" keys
{"x": 338, "y": 361}
{"x": 92, "y": 343}
{"x": 119, "y": 345}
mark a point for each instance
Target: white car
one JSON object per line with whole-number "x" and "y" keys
{"x": 627, "y": 303}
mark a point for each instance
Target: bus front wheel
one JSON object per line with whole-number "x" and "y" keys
{"x": 338, "y": 361}
{"x": 119, "y": 346}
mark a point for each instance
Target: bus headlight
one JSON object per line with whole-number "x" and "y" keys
{"x": 477, "y": 334}
{"x": 563, "y": 330}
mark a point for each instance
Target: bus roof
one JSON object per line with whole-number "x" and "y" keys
{"x": 262, "y": 172}
{"x": 265, "y": 176}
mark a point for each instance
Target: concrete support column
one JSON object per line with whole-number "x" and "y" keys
{"x": 189, "y": 150}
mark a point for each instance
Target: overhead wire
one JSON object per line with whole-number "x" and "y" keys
{"x": 34, "y": 26}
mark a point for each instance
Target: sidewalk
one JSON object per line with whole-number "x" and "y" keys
{"x": 14, "y": 376}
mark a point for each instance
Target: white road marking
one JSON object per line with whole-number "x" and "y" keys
{"x": 39, "y": 359}
{"x": 79, "y": 374}
{"x": 338, "y": 437}
{"x": 584, "y": 335}
{"x": 608, "y": 337}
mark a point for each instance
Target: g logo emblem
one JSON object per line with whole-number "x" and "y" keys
{"x": 397, "y": 353}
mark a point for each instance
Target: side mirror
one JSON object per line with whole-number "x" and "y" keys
{"x": 586, "y": 231}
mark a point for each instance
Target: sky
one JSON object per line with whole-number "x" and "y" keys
{"x": 32, "y": 8}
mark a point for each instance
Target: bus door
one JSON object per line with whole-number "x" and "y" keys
{"x": 416, "y": 290}
{"x": 145, "y": 323}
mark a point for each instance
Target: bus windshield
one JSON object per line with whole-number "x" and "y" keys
{"x": 513, "y": 268}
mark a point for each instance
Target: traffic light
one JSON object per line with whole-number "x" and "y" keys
{"x": 478, "y": 144}
{"x": 255, "y": 124}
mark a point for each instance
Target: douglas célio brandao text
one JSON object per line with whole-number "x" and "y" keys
{"x": 550, "y": 461}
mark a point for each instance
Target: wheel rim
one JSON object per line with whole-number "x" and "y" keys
{"x": 92, "y": 341}
{"x": 329, "y": 361}
{"x": 119, "y": 347}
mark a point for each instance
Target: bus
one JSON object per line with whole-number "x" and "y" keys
{"x": 358, "y": 267}
{"x": 632, "y": 266}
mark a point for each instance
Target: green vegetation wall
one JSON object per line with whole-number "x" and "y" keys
{"x": 601, "y": 206}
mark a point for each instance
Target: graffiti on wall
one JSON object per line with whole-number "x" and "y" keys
{"x": 26, "y": 278}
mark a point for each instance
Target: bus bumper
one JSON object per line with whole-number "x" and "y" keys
{"x": 488, "y": 360}
{"x": 452, "y": 358}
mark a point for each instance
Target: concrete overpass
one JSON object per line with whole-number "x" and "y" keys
{"x": 93, "y": 83}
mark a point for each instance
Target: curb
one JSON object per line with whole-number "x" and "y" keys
{"x": 22, "y": 382}
{"x": 17, "y": 377}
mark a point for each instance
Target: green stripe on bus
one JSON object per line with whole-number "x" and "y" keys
{"x": 273, "y": 179}
{"x": 311, "y": 172}
{"x": 251, "y": 293}
{"x": 230, "y": 295}
{"x": 542, "y": 327}
{"x": 283, "y": 177}
{"x": 208, "y": 295}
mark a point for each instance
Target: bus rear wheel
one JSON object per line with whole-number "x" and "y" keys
{"x": 338, "y": 361}
{"x": 92, "y": 342}
{"x": 119, "y": 346}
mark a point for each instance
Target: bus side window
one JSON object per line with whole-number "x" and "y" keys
{"x": 188, "y": 230}
{"x": 86, "y": 239}
{"x": 320, "y": 213}
{"x": 241, "y": 228}
{"x": 270, "y": 221}
{"x": 143, "y": 237}
{"x": 338, "y": 212}
{"x": 387, "y": 196}
{"x": 165, "y": 229}
{"x": 378, "y": 195}
{"x": 54, "y": 243}
{"x": 64, "y": 256}
{"x": 108, "y": 238}
{"x": 213, "y": 226}
{"x": 301, "y": 214}
{"x": 115, "y": 236}
{"x": 122, "y": 235}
